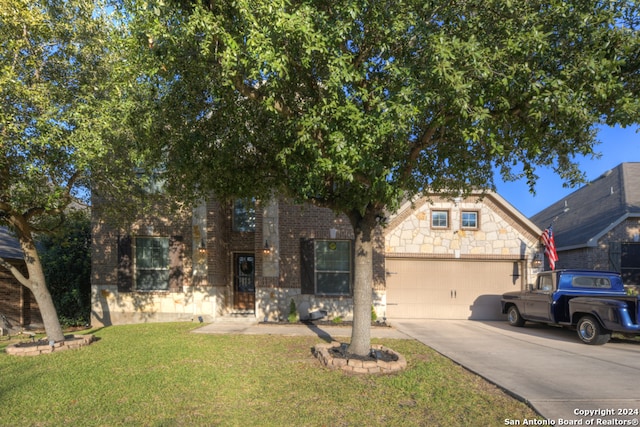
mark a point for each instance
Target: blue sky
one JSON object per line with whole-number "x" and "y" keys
{"x": 617, "y": 146}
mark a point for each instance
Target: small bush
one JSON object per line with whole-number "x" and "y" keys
{"x": 293, "y": 313}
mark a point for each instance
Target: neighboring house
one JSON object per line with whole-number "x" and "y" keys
{"x": 598, "y": 225}
{"x": 442, "y": 259}
{"x": 17, "y": 303}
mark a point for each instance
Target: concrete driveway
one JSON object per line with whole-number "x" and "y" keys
{"x": 567, "y": 382}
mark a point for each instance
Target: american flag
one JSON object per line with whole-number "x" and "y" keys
{"x": 550, "y": 247}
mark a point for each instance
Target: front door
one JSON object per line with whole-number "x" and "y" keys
{"x": 244, "y": 287}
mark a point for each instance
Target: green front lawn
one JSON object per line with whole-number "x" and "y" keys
{"x": 163, "y": 375}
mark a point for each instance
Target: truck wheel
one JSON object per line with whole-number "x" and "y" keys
{"x": 590, "y": 331}
{"x": 513, "y": 316}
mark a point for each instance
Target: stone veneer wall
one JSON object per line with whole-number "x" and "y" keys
{"x": 496, "y": 235}
{"x": 500, "y": 235}
{"x": 273, "y": 304}
{"x": 142, "y": 307}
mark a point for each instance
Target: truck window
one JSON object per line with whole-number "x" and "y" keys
{"x": 591, "y": 282}
{"x": 545, "y": 283}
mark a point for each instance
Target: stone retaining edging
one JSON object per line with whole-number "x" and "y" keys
{"x": 357, "y": 366}
{"x": 43, "y": 347}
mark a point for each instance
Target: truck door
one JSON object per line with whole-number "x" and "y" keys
{"x": 537, "y": 305}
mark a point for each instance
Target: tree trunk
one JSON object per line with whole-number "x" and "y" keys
{"x": 45, "y": 302}
{"x": 37, "y": 284}
{"x": 363, "y": 284}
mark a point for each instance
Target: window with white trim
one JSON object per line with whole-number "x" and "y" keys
{"x": 469, "y": 219}
{"x": 439, "y": 219}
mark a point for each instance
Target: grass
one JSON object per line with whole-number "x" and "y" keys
{"x": 162, "y": 375}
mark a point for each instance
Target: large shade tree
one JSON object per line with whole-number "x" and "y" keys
{"x": 64, "y": 105}
{"x": 354, "y": 105}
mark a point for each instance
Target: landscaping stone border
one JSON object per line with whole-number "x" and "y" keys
{"x": 357, "y": 366}
{"x": 43, "y": 347}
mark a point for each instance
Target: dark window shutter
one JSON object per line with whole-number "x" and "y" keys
{"x": 176, "y": 268}
{"x": 125, "y": 264}
{"x": 615, "y": 255}
{"x": 306, "y": 266}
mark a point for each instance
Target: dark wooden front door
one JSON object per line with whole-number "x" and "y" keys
{"x": 244, "y": 287}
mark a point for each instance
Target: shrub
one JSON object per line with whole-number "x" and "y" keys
{"x": 293, "y": 313}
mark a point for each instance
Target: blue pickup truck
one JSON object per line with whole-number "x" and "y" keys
{"x": 595, "y": 303}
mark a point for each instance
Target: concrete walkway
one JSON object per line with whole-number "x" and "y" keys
{"x": 255, "y": 328}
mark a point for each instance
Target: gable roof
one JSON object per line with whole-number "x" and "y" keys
{"x": 492, "y": 199}
{"x": 9, "y": 245}
{"x": 585, "y": 215}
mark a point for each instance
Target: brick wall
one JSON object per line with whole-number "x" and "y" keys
{"x": 17, "y": 303}
{"x": 304, "y": 222}
{"x": 598, "y": 257}
{"x": 111, "y": 305}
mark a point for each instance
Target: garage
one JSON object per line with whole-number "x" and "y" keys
{"x": 419, "y": 288}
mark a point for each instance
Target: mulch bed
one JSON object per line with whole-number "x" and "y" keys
{"x": 342, "y": 352}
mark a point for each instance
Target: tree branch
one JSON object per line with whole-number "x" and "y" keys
{"x": 15, "y": 272}
{"x": 254, "y": 95}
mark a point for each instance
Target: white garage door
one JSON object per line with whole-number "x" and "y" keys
{"x": 449, "y": 289}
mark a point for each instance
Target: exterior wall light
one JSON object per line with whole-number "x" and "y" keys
{"x": 267, "y": 248}
{"x": 203, "y": 247}
{"x": 536, "y": 262}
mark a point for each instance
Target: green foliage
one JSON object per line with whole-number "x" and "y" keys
{"x": 337, "y": 320}
{"x": 355, "y": 105}
{"x": 66, "y": 261}
{"x": 374, "y": 315}
{"x": 293, "y": 313}
{"x": 64, "y": 107}
{"x": 67, "y": 110}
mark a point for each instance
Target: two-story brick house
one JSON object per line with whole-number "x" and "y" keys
{"x": 252, "y": 259}
{"x": 598, "y": 225}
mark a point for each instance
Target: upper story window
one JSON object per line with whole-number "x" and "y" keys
{"x": 151, "y": 182}
{"x": 439, "y": 219}
{"x": 244, "y": 215}
{"x": 151, "y": 263}
{"x": 469, "y": 219}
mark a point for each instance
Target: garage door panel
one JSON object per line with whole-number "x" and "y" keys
{"x": 449, "y": 289}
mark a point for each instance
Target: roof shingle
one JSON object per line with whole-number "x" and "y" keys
{"x": 589, "y": 211}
